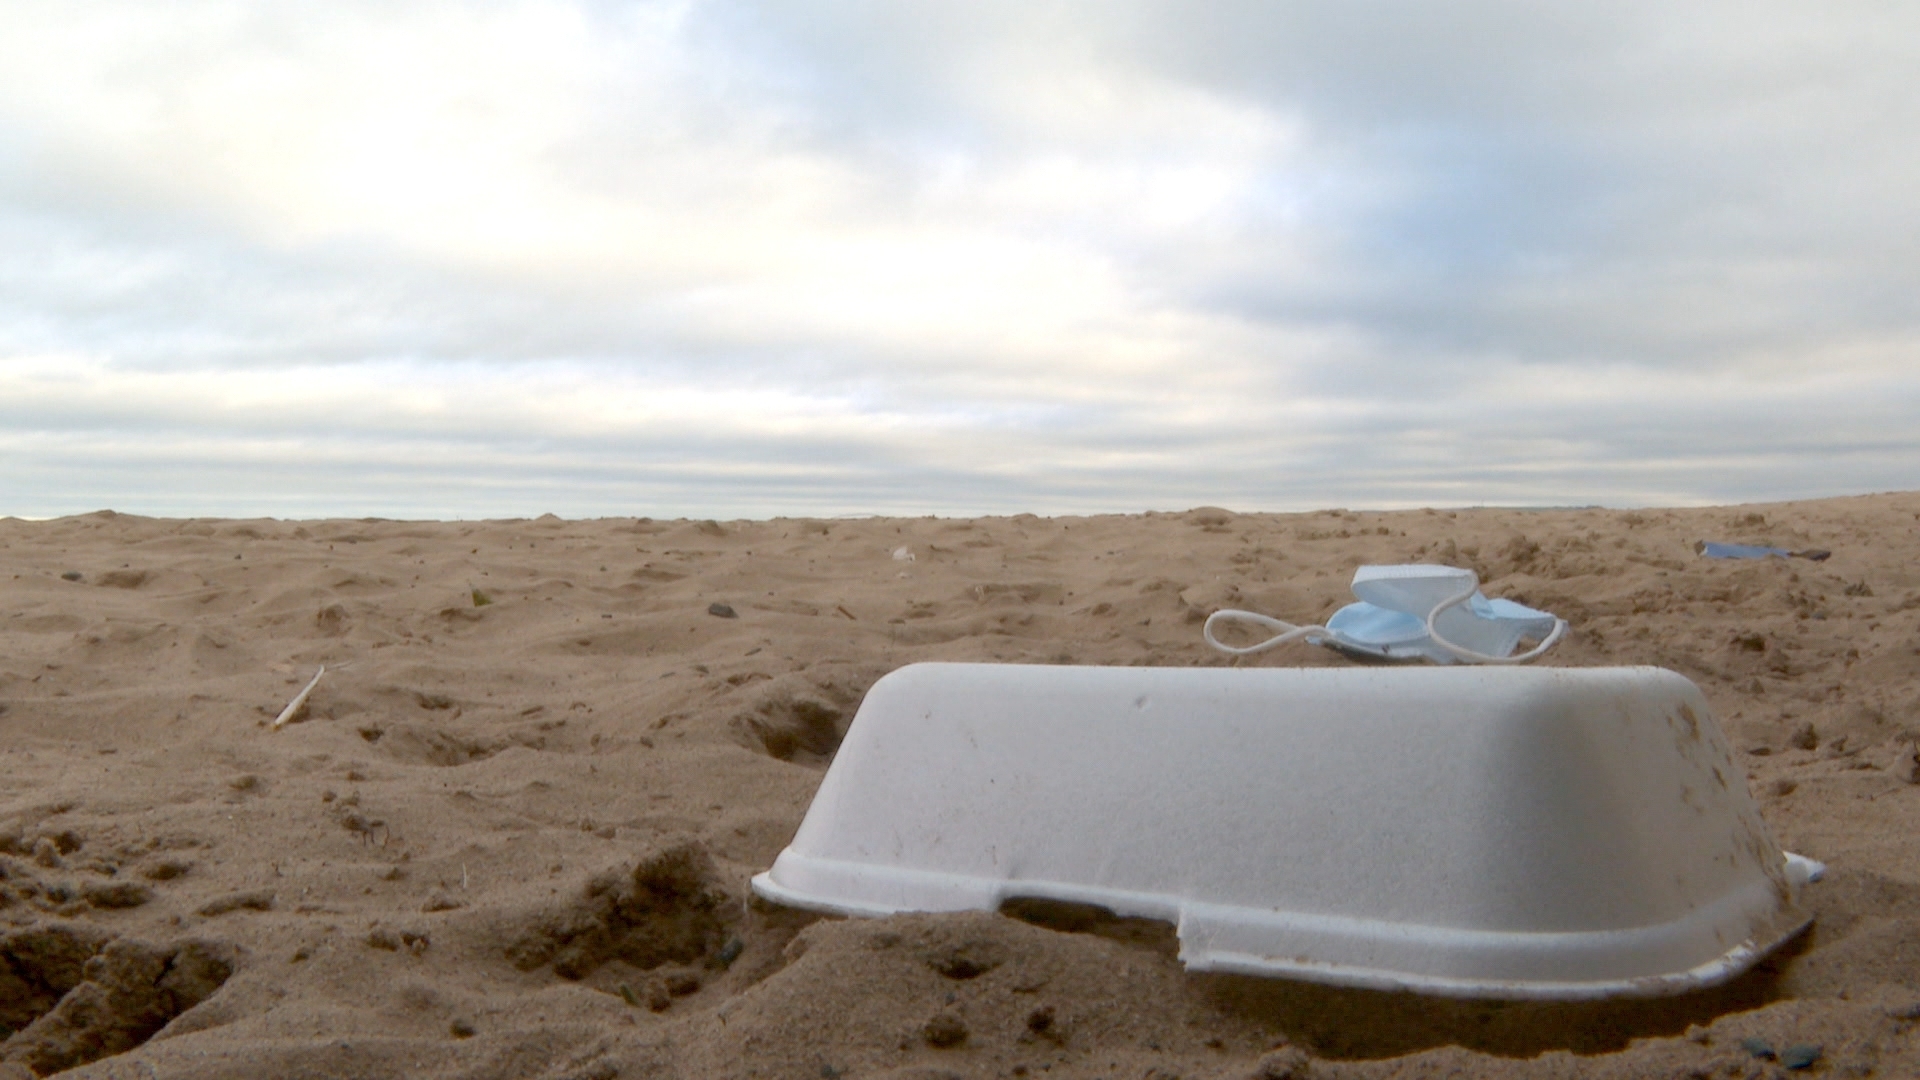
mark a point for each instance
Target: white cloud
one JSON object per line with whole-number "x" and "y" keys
{"x": 748, "y": 257}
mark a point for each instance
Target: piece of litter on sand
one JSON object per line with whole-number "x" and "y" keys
{"x": 299, "y": 699}
{"x": 1800, "y": 1056}
{"x": 1714, "y": 550}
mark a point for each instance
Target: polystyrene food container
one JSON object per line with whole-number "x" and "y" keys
{"x": 1555, "y": 833}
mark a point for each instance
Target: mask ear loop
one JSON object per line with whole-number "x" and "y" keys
{"x": 1473, "y": 586}
{"x": 1283, "y": 631}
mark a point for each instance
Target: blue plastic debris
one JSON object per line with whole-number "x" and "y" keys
{"x": 1714, "y": 550}
{"x": 1801, "y": 1055}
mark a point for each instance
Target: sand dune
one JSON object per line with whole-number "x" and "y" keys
{"x": 510, "y": 834}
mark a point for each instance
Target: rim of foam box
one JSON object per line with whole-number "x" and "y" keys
{"x": 1548, "y": 833}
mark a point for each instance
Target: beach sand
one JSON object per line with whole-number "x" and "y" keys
{"x": 510, "y": 834}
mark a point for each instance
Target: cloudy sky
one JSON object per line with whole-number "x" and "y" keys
{"x": 744, "y": 259}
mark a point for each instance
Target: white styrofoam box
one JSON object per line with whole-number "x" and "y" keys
{"x": 1560, "y": 833}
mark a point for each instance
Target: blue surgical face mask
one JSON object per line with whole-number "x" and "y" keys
{"x": 1414, "y": 612}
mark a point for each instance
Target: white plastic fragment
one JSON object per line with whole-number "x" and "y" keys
{"x": 299, "y": 699}
{"x": 1501, "y": 832}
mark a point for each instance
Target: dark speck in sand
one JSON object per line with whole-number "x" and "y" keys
{"x": 945, "y": 1031}
{"x": 724, "y": 611}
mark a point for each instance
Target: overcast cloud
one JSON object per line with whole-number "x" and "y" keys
{"x": 745, "y": 259}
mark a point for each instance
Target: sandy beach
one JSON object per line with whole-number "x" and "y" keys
{"x": 509, "y": 833}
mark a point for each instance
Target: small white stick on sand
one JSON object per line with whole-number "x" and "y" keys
{"x": 299, "y": 699}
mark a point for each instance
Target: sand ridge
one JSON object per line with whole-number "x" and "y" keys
{"x": 510, "y": 833}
